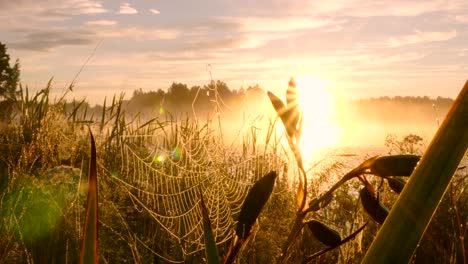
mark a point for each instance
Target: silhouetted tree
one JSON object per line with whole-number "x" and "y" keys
{"x": 9, "y": 79}
{"x": 254, "y": 89}
{"x": 178, "y": 95}
{"x": 220, "y": 87}
{"x": 147, "y": 99}
{"x": 200, "y": 97}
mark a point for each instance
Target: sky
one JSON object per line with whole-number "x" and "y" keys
{"x": 360, "y": 48}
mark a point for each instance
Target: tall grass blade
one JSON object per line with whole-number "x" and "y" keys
{"x": 253, "y": 204}
{"x": 211, "y": 249}
{"x": 411, "y": 214}
{"x": 89, "y": 247}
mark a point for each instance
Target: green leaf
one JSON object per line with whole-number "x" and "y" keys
{"x": 385, "y": 166}
{"x": 90, "y": 246}
{"x": 324, "y": 233}
{"x": 253, "y": 204}
{"x": 345, "y": 240}
{"x": 211, "y": 250}
{"x": 373, "y": 207}
{"x": 396, "y": 184}
{"x": 395, "y": 165}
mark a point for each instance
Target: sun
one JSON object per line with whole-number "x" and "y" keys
{"x": 319, "y": 130}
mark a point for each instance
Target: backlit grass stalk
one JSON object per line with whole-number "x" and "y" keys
{"x": 411, "y": 214}
{"x": 211, "y": 249}
{"x": 90, "y": 247}
{"x": 459, "y": 223}
{"x": 291, "y": 116}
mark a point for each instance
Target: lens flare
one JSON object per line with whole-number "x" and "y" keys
{"x": 176, "y": 154}
{"x": 160, "y": 158}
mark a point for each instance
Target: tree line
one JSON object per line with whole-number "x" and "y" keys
{"x": 9, "y": 80}
{"x": 180, "y": 98}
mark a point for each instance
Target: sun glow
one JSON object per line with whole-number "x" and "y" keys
{"x": 319, "y": 129}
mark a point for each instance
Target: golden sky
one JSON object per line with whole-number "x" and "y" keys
{"x": 360, "y": 48}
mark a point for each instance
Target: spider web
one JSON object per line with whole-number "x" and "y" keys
{"x": 168, "y": 168}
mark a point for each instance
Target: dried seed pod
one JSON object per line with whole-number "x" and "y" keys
{"x": 395, "y": 165}
{"x": 291, "y": 93}
{"x": 396, "y": 184}
{"x": 324, "y": 233}
{"x": 254, "y": 202}
{"x": 292, "y": 100}
{"x": 287, "y": 114}
{"x": 373, "y": 207}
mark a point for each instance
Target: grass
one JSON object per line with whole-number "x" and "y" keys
{"x": 151, "y": 173}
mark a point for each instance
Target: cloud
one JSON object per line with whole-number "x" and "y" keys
{"x": 155, "y": 11}
{"x": 222, "y": 43}
{"x": 101, "y": 23}
{"x": 371, "y": 8}
{"x": 37, "y": 37}
{"x": 278, "y": 24}
{"x": 233, "y": 33}
{"x": 45, "y": 40}
{"x": 90, "y": 7}
{"x": 421, "y": 37}
{"x": 126, "y": 9}
{"x": 463, "y": 52}
{"x": 461, "y": 19}
{"x": 241, "y": 40}
{"x": 415, "y": 39}
{"x": 140, "y": 33}
{"x": 56, "y": 8}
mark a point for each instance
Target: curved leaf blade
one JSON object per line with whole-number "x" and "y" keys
{"x": 396, "y": 184}
{"x": 373, "y": 207}
{"x": 345, "y": 240}
{"x": 395, "y": 165}
{"x": 253, "y": 204}
{"x": 211, "y": 249}
{"x": 89, "y": 252}
{"x": 324, "y": 233}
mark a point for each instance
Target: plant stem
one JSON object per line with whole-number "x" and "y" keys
{"x": 296, "y": 229}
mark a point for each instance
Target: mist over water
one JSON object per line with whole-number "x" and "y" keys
{"x": 360, "y": 123}
{"x": 363, "y": 125}
{"x": 351, "y": 127}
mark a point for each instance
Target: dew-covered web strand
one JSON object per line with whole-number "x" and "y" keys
{"x": 167, "y": 189}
